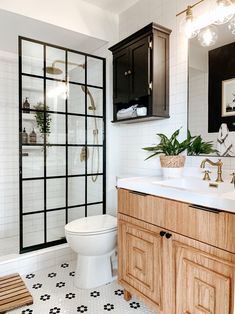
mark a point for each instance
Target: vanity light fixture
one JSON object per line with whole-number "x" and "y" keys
{"x": 189, "y": 26}
{"x": 223, "y": 12}
{"x": 208, "y": 36}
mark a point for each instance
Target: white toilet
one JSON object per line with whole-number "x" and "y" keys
{"x": 94, "y": 239}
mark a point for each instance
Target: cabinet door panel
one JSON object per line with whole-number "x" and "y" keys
{"x": 140, "y": 262}
{"x": 120, "y": 77}
{"x": 204, "y": 283}
{"x": 140, "y": 69}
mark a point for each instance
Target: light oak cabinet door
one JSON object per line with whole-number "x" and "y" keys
{"x": 140, "y": 261}
{"x": 204, "y": 283}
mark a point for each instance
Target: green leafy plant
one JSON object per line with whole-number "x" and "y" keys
{"x": 171, "y": 146}
{"x": 198, "y": 146}
{"x": 39, "y": 116}
{"x": 168, "y": 146}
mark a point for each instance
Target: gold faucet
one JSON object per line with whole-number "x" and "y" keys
{"x": 218, "y": 164}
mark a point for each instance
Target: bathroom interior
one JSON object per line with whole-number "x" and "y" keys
{"x": 88, "y": 219}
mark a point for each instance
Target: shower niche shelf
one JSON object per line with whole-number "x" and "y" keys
{"x": 28, "y": 117}
{"x": 141, "y": 73}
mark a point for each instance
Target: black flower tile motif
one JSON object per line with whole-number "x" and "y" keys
{"x": 60, "y": 284}
{"x": 27, "y": 311}
{"x": 95, "y": 294}
{"x": 51, "y": 275}
{"x": 108, "y": 307}
{"x": 64, "y": 265}
{"x": 70, "y": 296}
{"x": 55, "y": 310}
{"x": 30, "y": 276}
{"x": 134, "y": 305}
{"x": 45, "y": 297}
{"x": 72, "y": 273}
{"x": 119, "y": 292}
{"x": 82, "y": 309}
{"x": 37, "y": 286}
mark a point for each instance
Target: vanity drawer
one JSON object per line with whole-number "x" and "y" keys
{"x": 214, "y": 227}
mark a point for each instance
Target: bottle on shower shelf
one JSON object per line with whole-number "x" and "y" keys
{"x": 24, "y": 137}
{"x": 26, "y": 106}
{"x": 33, "y": 137}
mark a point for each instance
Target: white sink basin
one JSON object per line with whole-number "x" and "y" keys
{"x": 198, "y": 185}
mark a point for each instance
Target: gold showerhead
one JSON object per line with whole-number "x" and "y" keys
{"x": 53, "y": 70}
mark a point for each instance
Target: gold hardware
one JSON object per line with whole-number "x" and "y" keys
{"x": 126, "y": 73}
{"x": 218, "y": 164}
{"x": 233, "y": 178}
{"x": 150, "y": 44}
{"x": 207, "y": 175}
{"x": 84, "y": 154}
{"x": 189, "y": 6}
{"x": 213, "y": 185}
{"x": 129, "y": 72}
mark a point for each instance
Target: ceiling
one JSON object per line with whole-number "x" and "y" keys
{"x": 31, "y": 28}
{"x": 114, "y": 6}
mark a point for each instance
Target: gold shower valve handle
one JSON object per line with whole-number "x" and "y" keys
{"x": 206, "y": 175}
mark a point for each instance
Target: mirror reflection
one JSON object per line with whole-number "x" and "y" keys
{"x": 211, "y": 91}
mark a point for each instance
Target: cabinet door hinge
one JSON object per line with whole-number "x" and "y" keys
{"x": 151, "y": 85}
{"x": 150, "y": 44}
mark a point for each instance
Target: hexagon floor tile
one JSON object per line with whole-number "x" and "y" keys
{"x": 54, "y": 292}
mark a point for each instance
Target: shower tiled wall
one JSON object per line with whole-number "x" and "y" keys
{"x": 9, "y": 161}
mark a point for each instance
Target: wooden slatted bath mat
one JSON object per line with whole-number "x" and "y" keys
{"x": 13, "y": 293}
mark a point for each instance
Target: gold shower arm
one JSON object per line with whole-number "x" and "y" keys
{"x": 71, "y": 63}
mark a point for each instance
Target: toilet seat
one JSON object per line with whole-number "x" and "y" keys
{"x": 92, "y": 225}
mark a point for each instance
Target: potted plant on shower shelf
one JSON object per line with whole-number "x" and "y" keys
{"x": 170, "y": 150}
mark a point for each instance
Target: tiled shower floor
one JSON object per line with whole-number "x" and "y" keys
{"x": 53, "y": 292}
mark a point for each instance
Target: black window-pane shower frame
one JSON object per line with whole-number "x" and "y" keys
{"x": 44, "y": 145}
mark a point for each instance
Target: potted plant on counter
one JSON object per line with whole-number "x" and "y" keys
{"x": 170, "y": 150}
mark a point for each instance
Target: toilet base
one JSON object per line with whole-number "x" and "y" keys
{"x": 93, "y": 271}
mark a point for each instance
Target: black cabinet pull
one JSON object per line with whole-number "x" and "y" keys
{"x": 168, "y": 235}
{"x": 207, "y": 209}
{"x": 162, "y": 233}
{"x": 138, "y": 193}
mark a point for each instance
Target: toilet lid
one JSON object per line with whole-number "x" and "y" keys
{"x": 92, "y": 224}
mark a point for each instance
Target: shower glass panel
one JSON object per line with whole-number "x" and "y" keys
{"x": 76, "y": 213}
{"x": 62, "y": 140}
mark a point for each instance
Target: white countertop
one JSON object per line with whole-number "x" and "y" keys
{"x": 189, "y": 190}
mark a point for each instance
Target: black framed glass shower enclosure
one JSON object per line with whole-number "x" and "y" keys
{"x": 61, "y": 140}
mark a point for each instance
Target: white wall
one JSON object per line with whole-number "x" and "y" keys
{"x": 133, "y": 137}
{"x": 75, "y": 15}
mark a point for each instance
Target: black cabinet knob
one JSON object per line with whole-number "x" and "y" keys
{"x": 162, "y": 233}
{"x": 168, "y": 235}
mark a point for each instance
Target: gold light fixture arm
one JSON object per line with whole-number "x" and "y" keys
{"x": 189, "y": 7}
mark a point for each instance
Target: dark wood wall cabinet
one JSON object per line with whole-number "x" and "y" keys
{"x": 141, "y": 75}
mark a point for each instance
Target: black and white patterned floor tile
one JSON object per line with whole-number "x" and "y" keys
{"x": 54, "y": 293}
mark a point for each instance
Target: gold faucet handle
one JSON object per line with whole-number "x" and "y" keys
{"x": 233, "y": 177}
{"x": 206, "y": 175}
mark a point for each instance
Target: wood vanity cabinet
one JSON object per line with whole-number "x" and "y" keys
{"x": 173, "y": 269}
{"x": 141, "y": 73}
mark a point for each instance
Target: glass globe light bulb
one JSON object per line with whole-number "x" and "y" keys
{"x": 189, "y": 25}
{"x": 223, "y": 11}
{"x": 208, "y": 36}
